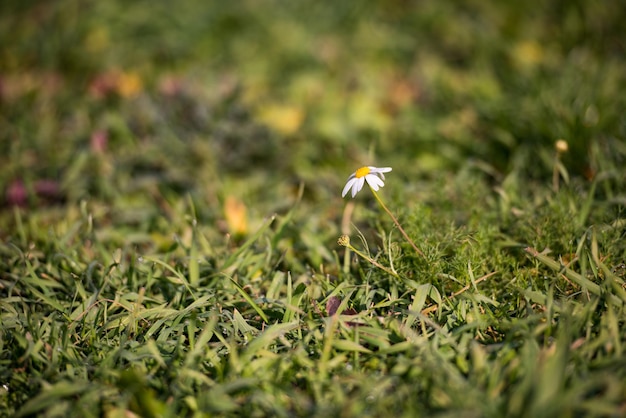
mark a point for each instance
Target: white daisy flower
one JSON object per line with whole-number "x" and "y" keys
{"x": 372, "y": 175}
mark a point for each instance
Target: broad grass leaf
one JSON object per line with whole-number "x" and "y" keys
{"x": 347, "y": 345}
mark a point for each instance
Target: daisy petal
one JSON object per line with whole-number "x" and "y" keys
{"x": 374, "y": 181}
{"x": 357, "y": 186}
{"x": 372, "y": 175}
{"x": 348, "y": 186}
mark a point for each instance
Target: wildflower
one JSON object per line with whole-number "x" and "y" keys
{"x": 344, "y": 240}
{"x": 561, "y": 146}
{"x": 373, "y": 175}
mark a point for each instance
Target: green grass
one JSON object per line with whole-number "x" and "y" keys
{"x": 171, "y": 206}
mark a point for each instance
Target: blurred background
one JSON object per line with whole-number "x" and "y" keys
{"x": 137, "y": 104}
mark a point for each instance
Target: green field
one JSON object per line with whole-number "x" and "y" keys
{"x": 173, "y": 239}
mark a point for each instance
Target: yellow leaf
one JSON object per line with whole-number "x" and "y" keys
{"x": 236, "y": 218}
{"x": 528, "y": 54}
{"x": 128, "y": 84}
{"x": 285, "y": 119}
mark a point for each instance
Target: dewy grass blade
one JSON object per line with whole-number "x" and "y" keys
{"x": 288, "y": 217}
{"x": 237, "y": 254}
{"x": 329, "y": 336}
{"x": 194, "y": 265}
{"x": 181, "y": 277}
{"x": 251, "y": 302}
{"x": 419, "y": 300}
{"x": 347, "y": 345}
{"x": 194, "y": 262}
{"x": 203, "y": 339}
{"x": 288, "y": 315}
{"x": 241, "y": 325}
{"x": 581, "y": 281}
{"x": 51, "y": 395}
{"x": 267, "y": 337}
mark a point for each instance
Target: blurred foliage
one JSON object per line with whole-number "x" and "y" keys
{"x": 442, "y": 82}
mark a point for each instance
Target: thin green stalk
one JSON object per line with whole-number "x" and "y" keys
{"x": 417, "y": 250}
{"x": 344, "y": 240}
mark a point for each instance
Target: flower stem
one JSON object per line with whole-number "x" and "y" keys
{"x": 344, "y": 240}
{"x": 417, "y": 250}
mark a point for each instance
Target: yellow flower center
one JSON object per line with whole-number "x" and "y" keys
{"x": 362, "y": 172}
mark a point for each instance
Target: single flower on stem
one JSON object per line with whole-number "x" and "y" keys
{"x": 561, "y": 148}
{"x": 374, "y": 177}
